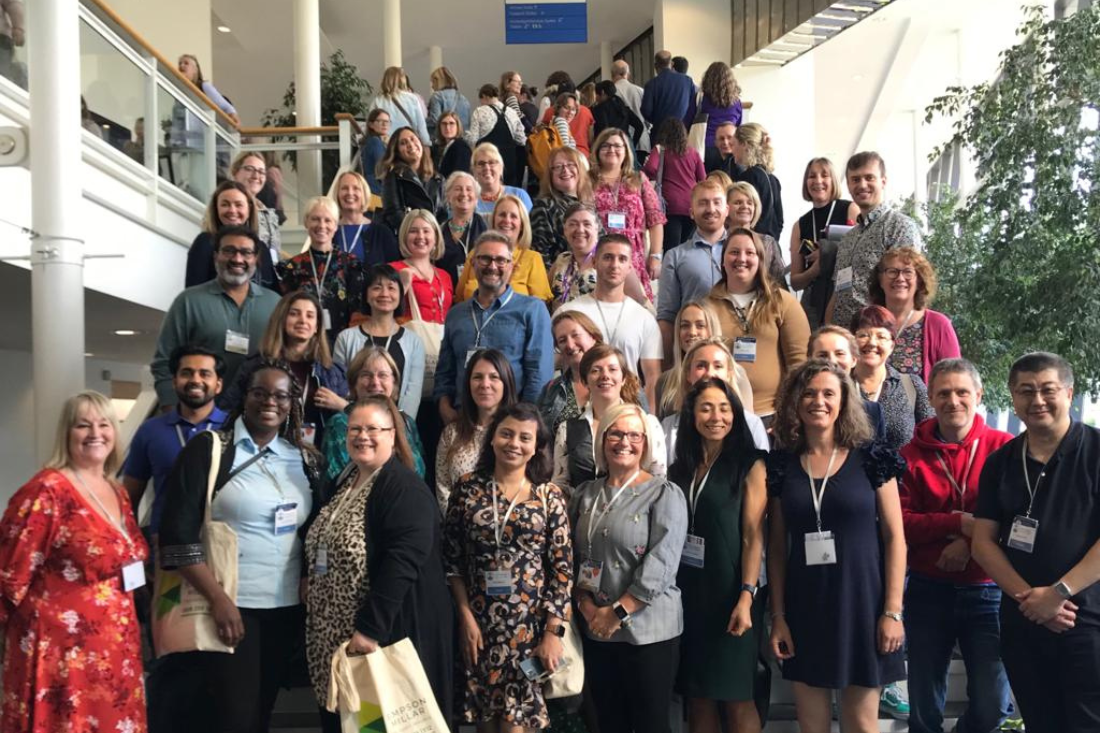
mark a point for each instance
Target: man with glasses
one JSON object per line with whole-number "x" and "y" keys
{"x": 879, "y": 228}
{"x": 497, "y": 317}
{"x": 227, "y": 315}
{"x": 1037, "y": 534}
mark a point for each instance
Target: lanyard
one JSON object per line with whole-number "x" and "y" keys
{"x": 267, "y": 472}
{"x": 719, "y": 247}
{"x": 341, "y": 499}
{"x": 829, "y": 218}
{"x": 464, "y": 240}
{"x": 240, "y": 469}
{"x": 597, "y": 515}
{"x": 320, "y": 282}
{"x": 960, "y": 490}
{"x": 610, "y": 333}
{"x": 695, "y": 492}
{"x": 570, "y": 272}
{"x": 179, "y": 434}
{"x": 818, "y": 497}
{"x": 1027, "y": 479}
{"x": 344, "y": 240}
{"x": 744, "y": 316}
{"x": 370, "y": 337}
{"x": 498, "y": 526}
{"x": 479, "y": 328}
{"x": 119, "y": 523}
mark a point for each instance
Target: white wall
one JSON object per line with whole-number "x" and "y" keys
{"x": 173, "y": 28}
{"x": 698, "y": 30}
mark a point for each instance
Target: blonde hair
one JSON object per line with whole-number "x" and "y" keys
{"x": 723, "y": 178}
{"x": 613, "y": 414}
{"x": 719, "y": 343}
{"x": 393, "y": 82}
{"x": 92, "y": 401}
{"x": 364, "y": 189}
{"x": 442, "y": 78}
{"x": 359, "y": 362}
{"x": 627, "y": 174}
{"x": 523, "y": 239}
{"x": 488, "y": 149}
{"x": 747, "y": 189}
{"x": 834, "y": 194}
{"x": 427, "y": 217}
{"x": 584, "y": 183}
{"x": 325, "y": 203}
{"x": 757, "y": 145}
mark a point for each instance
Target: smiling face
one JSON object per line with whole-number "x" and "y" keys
{"x": 572, "y": 342}
{"x": 232, "y": 208}
{"x": 693, "y": 327}
{"x": 833, "y": 348}
{"x": 820, "y": 403}
{"x": 741, "y": 209}
{"x": 196, "y": 382}
{"x": 321, "y": 225}
{"x": 252, "y": 174}
{"x": 376, "y": 379}
{"x": 568, "y": 110}
{"x": 514, "y": 442}
{"x": 709, "y": 361}
{"x": 267, "y": 401}
{"x": 899, "y": 281}
{"x": 605, "y": 378}
{"x": 91, "y": 438}
{"x": 581, "y": 230}
{"x": 1041, "y": 400}
{"x": 350, "y": 194}
{"x": 625, "y": 444}
{"x": 723, "y": 140}
{"x": 383, "y": 295}
{"x": 820, "y": 184}
{"x": 613, "y": 264}
{"x": 462, "y": 197}
{"x": 564, "y": 174}
{"x": 875, "y": 346}
{"x": 508, "y": 220}
{"x": 487, "y": 171}
{"x": 713, "y": 415}
{"x": 709, "y": 210}
{"x": 420, "y": 240}
{"x": 955, "y": 398}
{"x": 409, "y": 149}
{"x": 866, "y": 185}
{"x": 741, "y": 261}
{"x": 301, "y": 321}
{"x": 486, "y": 385}
{"x": 370, "y": 438}
{"x": 493, "y": 266}
{"x": 235, "y": 260}
{"x": 612, "y": 153}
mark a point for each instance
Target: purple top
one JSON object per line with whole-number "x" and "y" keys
{"x": 719, "y": 115}
{"x": 681, "y": 174}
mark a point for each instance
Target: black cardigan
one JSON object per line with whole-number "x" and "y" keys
{"x": 200, "y": 264}
{"x": 403, "y": 191}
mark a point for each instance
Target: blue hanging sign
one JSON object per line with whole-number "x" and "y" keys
{"x": 548, "y": 21}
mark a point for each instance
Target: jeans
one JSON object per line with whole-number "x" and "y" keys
{"x": 937, "y": 614}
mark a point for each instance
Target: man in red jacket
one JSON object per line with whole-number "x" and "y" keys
{"x": 949, "y": 597}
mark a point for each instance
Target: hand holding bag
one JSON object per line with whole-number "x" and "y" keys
{"x": 568, "y": 680}
{"x": 183, "y": 620}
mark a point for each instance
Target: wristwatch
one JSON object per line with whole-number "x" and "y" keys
{"x": 622, "y": 614}
{"x": 657, "y": 255}
{"x": 558, "y": 631}
{"x": 896, "y": 615}
{"x": 750, "y": 588}
{"x": 1063, "y": 590}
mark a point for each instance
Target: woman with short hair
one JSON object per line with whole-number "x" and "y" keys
{"x": 463, "y": 226}
{"x": 494, "y": 123}
{"x": 509, "y": 217}
{"x": 489, "y": 168}
{"x": 371, "y": 244}
{"x": 422, "y": 243}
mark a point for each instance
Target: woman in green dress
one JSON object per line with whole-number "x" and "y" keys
{"x": 722, "y": 476}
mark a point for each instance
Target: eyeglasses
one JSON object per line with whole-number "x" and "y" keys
{"x": 488, "y": 260}
{"x": 371, "y": 431}
{"x": 612, "y": 146}
{"x": 232, "y": 252}
{"x": 253, "y": 170}
{"x": 872, "y": 336}
{"x": 617, "y": 436}
{"x": 261, "y": 395}
{"x": 562, "y": 167}
{"x": 1029, "y": 393}
{"x": 486, "y": 164}
{"x": 893, "y": 273}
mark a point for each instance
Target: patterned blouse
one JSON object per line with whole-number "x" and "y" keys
{"x": 567, "y": 281}
{"x": 908, "y": 356}
{"x": 334, "y": 277}
{"x": 453, "y": 463}
{"x": 642, "y": 210}
{"x": 548, "y": 225}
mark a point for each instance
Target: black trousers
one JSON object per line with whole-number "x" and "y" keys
{"x": 1055, "y": 677}
{"x": 228, "y": 693}
{"x": 631, "y": 685}
{"x": 677, "y": 229}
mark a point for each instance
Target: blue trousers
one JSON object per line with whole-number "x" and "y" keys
{"x": 937, "y": 614}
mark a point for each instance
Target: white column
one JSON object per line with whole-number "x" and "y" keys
{"x": 307, "y": 88}
{"x": 391, "y": 33}
{"x": 606, "y": 59}
{"x": 435, "y": 58}
{"x": 658, "y": 26}
{"x": 57, "y": 264}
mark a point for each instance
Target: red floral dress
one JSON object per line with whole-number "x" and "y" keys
{"x": 643, "y": 211}
{"x": 72, "y": 659}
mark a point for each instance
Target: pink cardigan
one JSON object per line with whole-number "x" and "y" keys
{"x": 940, "y": 341}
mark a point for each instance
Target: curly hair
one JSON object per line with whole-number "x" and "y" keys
{"x": 291, "y": 429}
{"x": 757, "y": 144}
{"x": 852, "y": 428}
{"x": 719, "y": 85}
{"x": 631, "y": 388}
{"x": 540, "y": 467}
{"x": 926, "y": 276}
{"x": 673, "y": 135}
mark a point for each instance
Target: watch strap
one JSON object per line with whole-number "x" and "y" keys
{"x": 752, "y": 589}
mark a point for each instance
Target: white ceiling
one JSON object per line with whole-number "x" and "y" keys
{"x": 470, "y": 33}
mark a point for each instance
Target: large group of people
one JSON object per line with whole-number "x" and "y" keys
{"x": 480, "y": 422}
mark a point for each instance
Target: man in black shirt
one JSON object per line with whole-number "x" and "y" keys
{"x": 1037, "y": 534}
{"x": 719, "y": 157}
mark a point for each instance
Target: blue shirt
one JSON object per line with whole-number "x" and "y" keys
{"x": 688, "y": 273}
{"x": 669, "y": 94}
{"x": 517, "y": 325}
{"x": 154, "y": 449}
{"x": 269, "y": 564}
{"x": 485, "y": 208}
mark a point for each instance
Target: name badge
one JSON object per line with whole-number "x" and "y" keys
{"x": 286, "y": 518}
{"x": 1022, "y": 535}
{"x": 326, "y": 319}
{"x": 498, "y": 582}
{"x": 309, "y": 433}
{"x": 236, "y": 342}
{"x": 133, "y": 575}
{"x": 470, "y": 355}
{"x": 820, "y": 548}
{"x": 744, "y": 349}
{"x": 844, "y": 279}
{"x": 320, "y": 560}
{"x": 616, "y": 220}
{"x": 694, "y": 550}
{"x": 589, "y": 579}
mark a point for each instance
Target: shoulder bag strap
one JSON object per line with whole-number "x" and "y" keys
{"x": 212, "y": 478}
{"x": 910, "y": 391}
{"x": 414, "y": 304}
{"x": 401, "y": 109}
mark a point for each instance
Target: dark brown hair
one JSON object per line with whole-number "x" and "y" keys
{"x": 852, "y": 429}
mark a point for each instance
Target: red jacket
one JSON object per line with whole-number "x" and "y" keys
{"x": 929, "y": 503}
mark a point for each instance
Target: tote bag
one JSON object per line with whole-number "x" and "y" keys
{"x": 432, "y": 336}
{"x": 383, "y": 691}
{"x": 183, "y": 620}
{"x": 568, "y": 680}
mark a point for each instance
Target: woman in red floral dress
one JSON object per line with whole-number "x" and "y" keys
{"x": 70, "y": 555}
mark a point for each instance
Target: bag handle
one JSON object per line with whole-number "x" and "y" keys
{"x": 414, "y": 304}
{"x": 401, "y": 109}
{"x": 342, "y": 692}
{"x": 215, "y": 466}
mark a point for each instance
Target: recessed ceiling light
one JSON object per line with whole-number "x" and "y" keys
{"x": 224, "y": 29}
{"x": 125, "y": 332}
{"x": 88, "y": 354}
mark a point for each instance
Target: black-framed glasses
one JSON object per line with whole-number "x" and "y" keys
{"x": 893, "y": 273}
{"x": 262, "y": 395}
{"x": 371, "y": 431}
{"x": 630, "y": 436}
{"x": 487, "y": 260}
{"x": 253, "y": 170}
{"x": 232, "y": 252}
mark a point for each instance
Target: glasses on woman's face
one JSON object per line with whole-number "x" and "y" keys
{"x": 253, "y": 170}
{"x": 893, "y": 273}
{"x": 563, "y": 167}
{"x": 630, "y": 436}
{"x": 371, "y": 431}
{"x": 262, "y": 396}
{"x": 880, "y": 336}
{"x": 617, "y": 147}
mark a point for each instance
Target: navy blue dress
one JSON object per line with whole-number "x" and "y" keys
{"x": 833, "y": 610}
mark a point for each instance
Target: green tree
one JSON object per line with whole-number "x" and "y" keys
{"x": 1019, "y": 258}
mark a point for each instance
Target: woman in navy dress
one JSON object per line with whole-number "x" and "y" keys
{"x": 837, "y": 591}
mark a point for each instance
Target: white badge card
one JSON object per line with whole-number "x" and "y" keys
{"x": 694, "y": 549}
{"x": 236, "y": 342}
{"x": 498, "y": 582}
{"x": 744, "y": 349}
{"x": 616, "y": 220}
{"x": 844, "y": 278}
{"x": 133, "y": 575}
{"x": 309, "y": 433}
{"x": 820, "y": 548}
{"x": 320, "y": 560}
{"x": 286, "y": 518}
{"x": 1022, "y": 535}
{"x": 326, "y": 319}
{"x": 589, "y": 579}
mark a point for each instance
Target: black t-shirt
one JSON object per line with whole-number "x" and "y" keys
{"x": 1067, "y": 507}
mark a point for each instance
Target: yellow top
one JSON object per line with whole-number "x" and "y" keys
{"x": 528, "y": 277}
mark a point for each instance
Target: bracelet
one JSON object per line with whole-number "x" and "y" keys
{"x": 895, "y": 615}
{"x": 657, "y": 255}
{"x": 778, "y": 614}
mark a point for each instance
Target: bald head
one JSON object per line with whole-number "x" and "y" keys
{"x": 662, "y": 60}
{"x": 620, "y": 70}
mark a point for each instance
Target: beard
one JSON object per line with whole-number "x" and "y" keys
{"x": 194, "y": 403}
